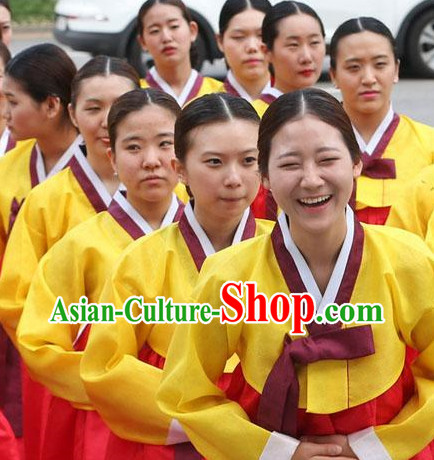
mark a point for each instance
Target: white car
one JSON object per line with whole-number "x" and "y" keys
{"x": 109, "y": 26}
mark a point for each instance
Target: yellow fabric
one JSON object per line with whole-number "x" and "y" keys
{"x": 77, "y": 265}
{"x": 157, "y": 265}
{"x": 181, "y": 192}
{"x": 15, "y": 183}
{"x": 412, "y": 148}
{"x": 414, "y": 211}
{"x": 260, "y": 106}
{"x": 209, "y": 85}
{"x": 397, "y": 270}
{"x": 49, "y": 211}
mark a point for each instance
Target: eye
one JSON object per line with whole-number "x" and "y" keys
{"x": 133, "y": 147}
{"x": 238, "y": 37}
{"x": 213, "y": 161}
{"x": 92, "y": 109}
{"x": 292, "y": 45}
{"x": 328, "y": 160}
{"x": 153, "y": 31}
{"x": 289, "y": 166}
{"x": 381, "y": 64}
{"x": 315, "y": 43}
{"x": 166, "y": 144}
{"x": 250, "y": 160}
{"x": 353, "y": 68}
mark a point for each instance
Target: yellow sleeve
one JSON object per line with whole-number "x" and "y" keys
{"x": 121, "y": 387}
{"x": 218, "y": 427}
{"x": 26, "y": 246}
{"x": 412, "y": 283}
{"x": 416, "y": 206}
{"x": 48, "y": 348}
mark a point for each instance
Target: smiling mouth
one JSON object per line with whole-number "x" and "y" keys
{"x": 314, "y": 202}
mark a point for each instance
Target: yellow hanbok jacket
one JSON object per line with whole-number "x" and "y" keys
{"x": 77, "y": 265}
{"x": 414, "y": 211}
{"x": 196, "y": 86}
{"x": 412, "y": 149}
{"x": 121, "y": 387}
{"x": 49, "y": 211}
{"x": 394, "y": 268}
{"x": 21, "y": 170}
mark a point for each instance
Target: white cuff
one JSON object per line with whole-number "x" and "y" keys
{"x": 279, "y": 446}
{"x": 176, "y": 433}
{"x": 367, "y": 446}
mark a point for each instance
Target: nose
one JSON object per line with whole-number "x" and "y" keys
{"x": 252, "y": 44}
{"x": 305, "y": 54}
{"x": 368, "y": 76}
{"x": 151, "y": 159}
{"x": 104, "y": 121}
{"x": 311, "y": 178}
{"x": 7, "y": 112}
{"x": 232, "y": 176}
{"x": 166, "y": 34}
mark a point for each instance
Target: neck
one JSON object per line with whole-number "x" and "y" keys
{"x": 153, "y": 212}
{"x": 53, "y": 147}
{"x": 283, "y": 86}
{"x": 321, "y": 252}
{"x": 254, "y": 87}
{"x": 220, "y": 233}
{"x": 176, "y": 76}
{"x": 104, "y": 170}
{"x": 366, "y": 123}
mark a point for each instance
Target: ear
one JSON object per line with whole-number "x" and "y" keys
{"x": 332, "y": 74}
{"x": 142, "y": 42}
{"x": 219, "y": 40}
{"x": 71, "y": 111}
{"x": 112, "y": 158}
{"x": 357, "y": 169}
{"x": 396, "y": 76}
{"x": 266, "y": 181}
{"x": 180, "y": 170}
{"x": 194, "y": 30}
{"x": 53, "y": 106}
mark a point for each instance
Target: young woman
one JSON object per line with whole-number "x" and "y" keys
{"x": 240, "y": 40}
{"x": 215, "y": 145}
{"x": 414, "y": 210}
{"x": 36, "y": 89}
{"x": 141, "y": 125}
{"x": 73, "y": 195}
{"x": 395, "y": 148}
{"x": 167, "y": 32}
{"x": 6, "y": 142}
{"x": 344, "y": 391}
{"x": 293, "y": 35}
{"x": 5, "y": 22}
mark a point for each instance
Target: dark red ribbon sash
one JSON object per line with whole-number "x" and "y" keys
{"x": 278, "y": 404}
{"x": 378, "y": 168}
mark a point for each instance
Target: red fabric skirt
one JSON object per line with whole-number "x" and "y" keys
{"x": 8, "y": 443}
{"x": 379, "y": 411}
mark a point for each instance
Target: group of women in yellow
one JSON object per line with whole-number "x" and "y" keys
{"x": 113, "y": 186}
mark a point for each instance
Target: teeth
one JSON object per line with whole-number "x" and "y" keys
{"x": 321, "y": 199}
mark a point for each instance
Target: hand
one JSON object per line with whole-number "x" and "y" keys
{"x": 318, "y": 451}
{"x": 335, "y": 439}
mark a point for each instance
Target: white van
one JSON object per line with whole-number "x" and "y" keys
{"x": 109, "y": 26}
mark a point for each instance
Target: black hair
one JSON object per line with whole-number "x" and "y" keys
{"x": 294, "y": 106}
{"x": 280, "y": 11}
{"x": 233, "y": 7}
{"x": 355, "y": 26}
{"x": 103, "y": 66}
{"x": 5, "y": 54}
{"x": 208, "y": 109}
{"x": 43, "y": 70}
{"x": 134, "y": 101}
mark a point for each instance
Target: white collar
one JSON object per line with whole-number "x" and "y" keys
{"x": 369, "y": 148}
{"x": 182, "y": 98}
{"x": 240, "y": 89}
{"x": 142, "y": 223}
{"x": 321, "y": 301}
{"x": 206, "y": 244}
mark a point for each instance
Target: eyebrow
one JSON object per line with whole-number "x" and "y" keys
{"x": 219, "y": 154}
{"x": 157, "y": 24}
{"x": 135, "y": 137}
{"x": 297, "y": 37}
{"x": 294, "y": 153}
{"x": 355, "y": 59}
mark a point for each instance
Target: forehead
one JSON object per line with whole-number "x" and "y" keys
{"x": 104, "y": 87}
{"x": 303, "y": 134}
{"x": 161, "y": 12}
{"x": 247, "y": 19}
{"x": 363, "y": 44}
{"x": 150, "y": 117}
{"x": 228, "y": 135}
{"x": 299, "y": 25}
{"x": 5, "y": 15}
